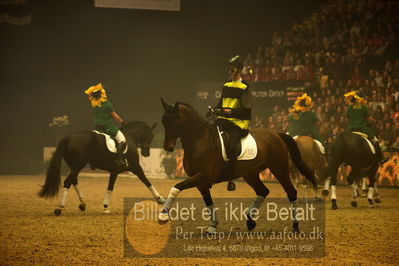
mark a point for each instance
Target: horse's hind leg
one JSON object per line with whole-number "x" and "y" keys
{"x": 261, "y": 192}
{"x": 364, "y": 188}
{"x": 138, "y": 170}
{"x": 372, "y": 186}
{"x": 282, "y": 175}
{"x": 352, "y": 182}
{"x": 377, "y": 198}
{"x": 71, "y": 179}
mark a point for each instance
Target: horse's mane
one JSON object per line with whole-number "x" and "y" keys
{"x": 186, "y": 104}
{"x": 195, "y": 111}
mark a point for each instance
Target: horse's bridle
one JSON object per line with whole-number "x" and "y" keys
{"x": 166, "y": 118}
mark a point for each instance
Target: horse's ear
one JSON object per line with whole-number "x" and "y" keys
{"x": 154, "y": 125}
{"x": 164, "y": 104}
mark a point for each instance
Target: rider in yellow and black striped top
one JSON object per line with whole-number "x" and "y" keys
{"x": 234, "y": 113}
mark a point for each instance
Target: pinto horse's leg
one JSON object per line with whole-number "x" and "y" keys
{"x": 261, "y": 192}
{"x": 136, "y": 169}
{"x": 108, "y": 194}
{"x": 190, "y": 182}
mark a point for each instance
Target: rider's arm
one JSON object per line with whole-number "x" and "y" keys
{"x": 116, "y": 117}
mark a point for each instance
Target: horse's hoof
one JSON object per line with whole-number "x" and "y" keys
{"x": 251, "y": 224}
{"x": 354, "y": 203}
{"x": 82, "y": 207}
{"x": 334, "y": 205}
{"x": 161, "y": 200}
{"x": 57, "y": 212}
{"x": 211, "y": 230}
{"x": 377, "y": 200}
{"x": 371, "y": 203}
{"x": 295, "y": 227}
{"x": 325, "y": 192}
{"x": 231, "y": 186}
{"x": 163, "y": 217}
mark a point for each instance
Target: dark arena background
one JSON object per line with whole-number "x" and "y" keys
{"x": 51, "y": 51}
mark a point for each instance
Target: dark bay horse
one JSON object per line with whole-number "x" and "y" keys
{"x": 313, "y": 158}
{"x": 204, "y": 164}
{"x": 353, "y": 150}
{"x": 86, "y": 147}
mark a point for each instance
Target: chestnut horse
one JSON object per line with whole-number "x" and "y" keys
{"x": 204, "y": 164}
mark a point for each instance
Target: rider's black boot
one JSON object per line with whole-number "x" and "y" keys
{"x": 120, "y": 160}
{"x": 229, "y": 174}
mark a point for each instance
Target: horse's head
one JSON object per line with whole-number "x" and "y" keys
{"x": 142, "y": 135}
{"x": 172, "y": 124}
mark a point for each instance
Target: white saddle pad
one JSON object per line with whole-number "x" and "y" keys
{"x": 321, "y": 147}
{"x": 363, "y": 135}
{"x": 249, "y": 149}
{"x": 370, "y": 144}
{"x": 111, "y": 145}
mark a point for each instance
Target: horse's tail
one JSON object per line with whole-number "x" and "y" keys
{"x": 53, "y": 177}
{"x": 297, "y": 159}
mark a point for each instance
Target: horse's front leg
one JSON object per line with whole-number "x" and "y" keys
{"x": 138, "y": 171}
{"x": 190, "y": 182}
{"x": 108, "y": 194}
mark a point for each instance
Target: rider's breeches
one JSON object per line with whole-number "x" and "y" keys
{"x": 119, "y": 137}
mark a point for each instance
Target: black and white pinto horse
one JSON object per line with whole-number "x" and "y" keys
{"x": 353, "y": 150}
{"x": 86, "y": 147}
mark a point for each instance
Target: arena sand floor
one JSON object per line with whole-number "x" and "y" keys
{"x": 31, "y": 234}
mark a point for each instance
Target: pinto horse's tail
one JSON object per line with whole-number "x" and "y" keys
{"x": 297, "y": 159}
{"x": 53, "y": 177}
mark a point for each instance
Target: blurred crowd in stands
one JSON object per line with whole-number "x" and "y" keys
{"x": 346, "y": 45}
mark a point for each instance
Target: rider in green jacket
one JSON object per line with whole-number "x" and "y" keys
{"x": 302, "y": 120}
{"x": 357, "y": 115}
{"x": 104, "y": 118}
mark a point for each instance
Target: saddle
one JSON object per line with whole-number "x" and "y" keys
{"x": 247, "y": 147}
{"x": 109, "y": 141}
